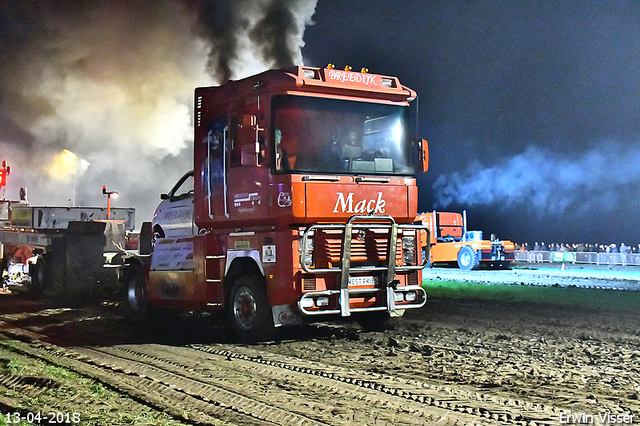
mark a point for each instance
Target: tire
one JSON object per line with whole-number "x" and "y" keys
{"x": 467, "y": 259}
{"x": 248, "y": 310}
{"x": 424, "y": 255}
{"x": 374, "y": 321}
{"x": 137, "y": 304}
{"x": 38, "y": 275}
{"x": 157, "y": 233}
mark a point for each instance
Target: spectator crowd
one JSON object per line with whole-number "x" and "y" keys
{"x": 581, "y": 248}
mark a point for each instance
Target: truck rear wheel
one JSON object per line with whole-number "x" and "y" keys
{"x": 248, "y": 310}
{"x": 467, "y": 259}
{"x": 136, "y": 297}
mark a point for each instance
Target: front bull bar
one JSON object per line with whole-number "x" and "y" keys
{"x": 345, "y": 292}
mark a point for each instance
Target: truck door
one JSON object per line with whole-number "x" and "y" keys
{"x": 235, "y": 169}
{"x": 248, "y": 172}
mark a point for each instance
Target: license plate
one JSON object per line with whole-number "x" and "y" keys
{"x": 362, "y": 281}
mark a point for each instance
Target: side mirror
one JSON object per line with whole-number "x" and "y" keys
{"x": 424, "y": 155}
{"x": 420, "y": 153}
{"x": 164, "y": 196}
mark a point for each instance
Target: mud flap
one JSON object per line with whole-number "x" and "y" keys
{"x": 344, "y": 302}
{"x": 391, "y": 300}
{"x": 285, "y": 315}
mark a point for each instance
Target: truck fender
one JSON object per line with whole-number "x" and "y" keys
{"x": 234, "y": 254}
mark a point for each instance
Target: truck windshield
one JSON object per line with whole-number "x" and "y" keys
{"x": 316, "y": 135}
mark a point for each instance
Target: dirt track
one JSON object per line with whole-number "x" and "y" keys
{"x": 548, "y": 274}
{"x": 452, "y": 362}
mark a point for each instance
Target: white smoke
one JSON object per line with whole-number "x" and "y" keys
{"x": 112, "y": 82}
{"x": 540, "y": 181}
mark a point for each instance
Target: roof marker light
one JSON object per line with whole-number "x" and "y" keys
{"x": 364, "y": 70}
{"x": 388, "y": 82}
{"x": 309, "y": 74}
{"x": 331, "y": 66}
{"x": 348, "y": 68}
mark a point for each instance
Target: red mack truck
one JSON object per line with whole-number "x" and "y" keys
{"x": 301, "y": 206}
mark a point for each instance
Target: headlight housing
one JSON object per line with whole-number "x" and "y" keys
{"x": 409, "y": 249}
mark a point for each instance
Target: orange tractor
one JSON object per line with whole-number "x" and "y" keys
{"x": 451, "y": 242}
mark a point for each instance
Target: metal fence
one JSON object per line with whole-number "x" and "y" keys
{"x": 536, "y": 256}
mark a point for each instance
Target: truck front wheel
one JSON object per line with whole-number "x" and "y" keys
{"x": 467, "y": 259}
{"x": 248, "y": 310}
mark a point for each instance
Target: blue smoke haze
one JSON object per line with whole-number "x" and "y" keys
{"x": 542, "y": 195}
{"x": 545, "y": 183}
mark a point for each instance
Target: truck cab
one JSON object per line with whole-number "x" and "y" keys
{"x": 304, "y": 197}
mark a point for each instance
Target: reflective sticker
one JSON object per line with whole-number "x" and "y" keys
{"x": 241, "y": 245}
{"x": 284, "y": 199}
{"x": 269, "y": 254}
{"x": 172, "y": 254}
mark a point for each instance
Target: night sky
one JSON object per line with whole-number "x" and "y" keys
{"x": 531, "y": 109}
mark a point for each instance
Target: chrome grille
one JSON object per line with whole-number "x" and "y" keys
{"x": 372, "y": 248}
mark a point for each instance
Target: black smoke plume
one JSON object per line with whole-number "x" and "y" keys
{"x": 232, "y": 28}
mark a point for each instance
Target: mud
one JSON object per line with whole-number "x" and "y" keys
{"x": 547, "y": 274}
{"x": 455, "y": 361}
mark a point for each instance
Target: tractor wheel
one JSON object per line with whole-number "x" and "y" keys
{"x": 427, "y": 257}
{"x": 467, "y": 259}
{"x": 37, "y": 272}
{"x": 155, "y": 235}
{"x": 136, "y": 297}
{"x": 248, "y": 309}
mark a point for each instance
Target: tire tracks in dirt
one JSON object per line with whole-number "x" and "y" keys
{"x": 231, "y": 384}
{"x": 452, "y": 362}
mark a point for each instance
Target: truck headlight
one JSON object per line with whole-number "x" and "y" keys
{"x": 322, "y": 301}
{"x": 308, "y": 259}
{"x": 409, "y": 249}
{"x": 409, "y": 257}
{"x": 308, "y": 254}
{"x": 409, "y": 243}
